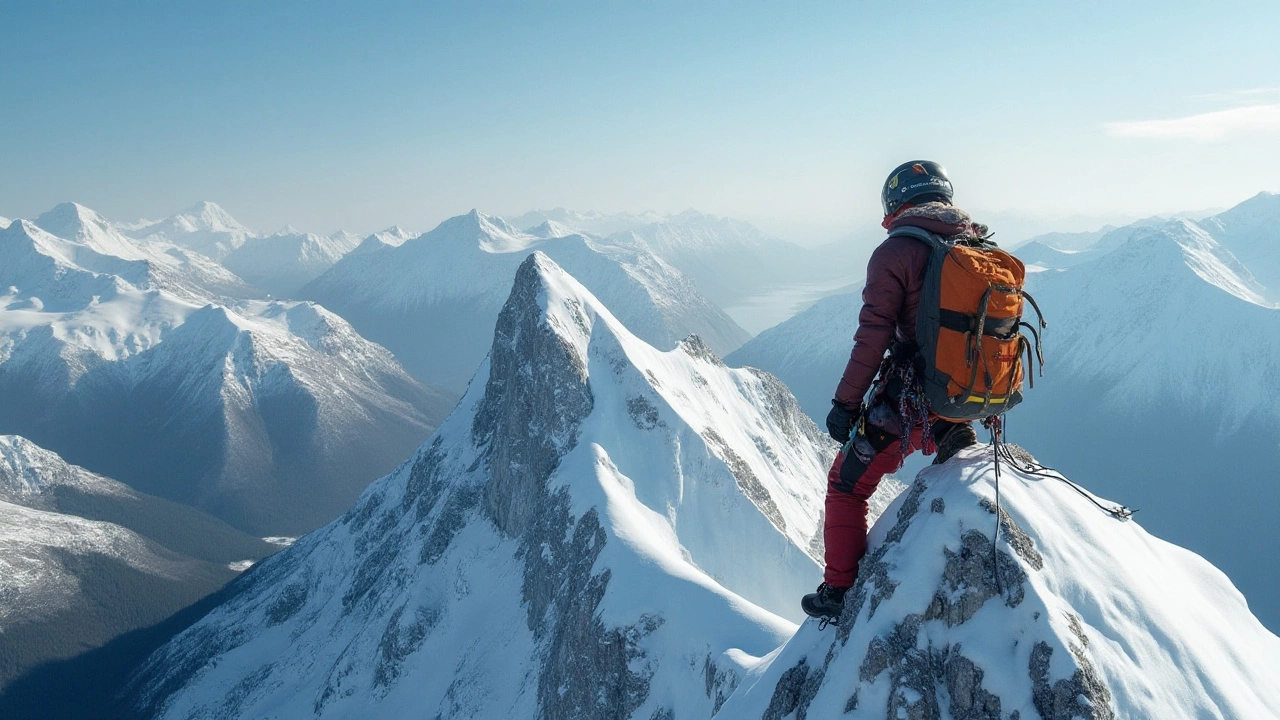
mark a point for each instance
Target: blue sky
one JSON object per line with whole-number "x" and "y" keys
{"x": 360, "y": 115}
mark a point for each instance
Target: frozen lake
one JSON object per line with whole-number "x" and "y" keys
{"x": 760, "y": 312}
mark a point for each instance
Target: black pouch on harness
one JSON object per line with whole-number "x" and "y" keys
{"x": 867, "y": 442}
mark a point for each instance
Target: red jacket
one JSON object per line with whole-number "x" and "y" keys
{"x": 895, "y": 275}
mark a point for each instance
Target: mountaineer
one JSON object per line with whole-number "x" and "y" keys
{"x": 919, "y": 372}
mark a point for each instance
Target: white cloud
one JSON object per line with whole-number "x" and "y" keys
{"x": 1205, "y": 127}
{"x": 1247, "y": 95}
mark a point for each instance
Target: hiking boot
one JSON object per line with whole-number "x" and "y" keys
{"x": 827, "y": 602}
{"x": 959, "y": 437}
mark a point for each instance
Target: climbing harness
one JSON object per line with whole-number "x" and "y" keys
{"x": 898, "y": 372}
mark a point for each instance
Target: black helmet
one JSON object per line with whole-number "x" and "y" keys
{"x": 912, "y": 179}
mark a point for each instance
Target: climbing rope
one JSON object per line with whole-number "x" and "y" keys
{"x": 1120, "y": 512}
{"x": 996, "y": 426}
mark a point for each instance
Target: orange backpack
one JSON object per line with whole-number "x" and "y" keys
{"x": 970, "y": 283}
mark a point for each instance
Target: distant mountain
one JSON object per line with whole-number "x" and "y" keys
{"x": 85, "y": 239}
{"x": 84, "y": 559}
{"x": 271, "y": 416}
{"x": 205, "y": 228}
{"x": 1162, "y": 383}
{"x": 601, "y": 530}
{"x": 433, "y": 300}
{"x": 394, "y": 236}
{"x": 1069, "y": 613}
{"x": 281, "y": 264}
{"x": 1251, "y": 230}
{"x": 728, "y": 260}
{"x": 591, "y": 222}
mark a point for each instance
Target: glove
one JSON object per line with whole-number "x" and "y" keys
{"x": 840, "y": 421}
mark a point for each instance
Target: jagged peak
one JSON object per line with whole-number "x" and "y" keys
{"x": 396, "y": 231}
{"x": 695, "y": 347}
{"x": 211, "y": 216}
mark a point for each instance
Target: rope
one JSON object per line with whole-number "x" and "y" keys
{"x": 995, "y": 425}
{"x": 1120, "y": 512}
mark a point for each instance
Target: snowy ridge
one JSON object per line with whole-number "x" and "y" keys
{"x": 33, "y": 582}
{"x": 587, "y": 504}
{"x": 28, "y": 471}
{"x": 450, "y": 283}
{"x": 1075, "y": 613}
{"x": 1251, "y": 230}
{"x": 205, "y": 228}
{"x": 40, "y": 270}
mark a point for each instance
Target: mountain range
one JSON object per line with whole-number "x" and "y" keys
{"x": 271, "y": 415}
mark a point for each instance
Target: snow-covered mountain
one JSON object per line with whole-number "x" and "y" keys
{"x": 1162, "y": 384}
{"x": 270, "y": 415}
{"x": 728, "y": 260}
{"x": 1071, "y": 613}
{"x": 1251, "y": 231}
{"x": 84, "y": 558}
{"x": 591, "y": 222}
{"x": 205, "y": 228}
{"x": 433, "y": 300}
{"x": 282, "y": 263}
{"x": 394, "y": 236}
{"x": 600, "y": 530}
{"x": 73, "y": 235}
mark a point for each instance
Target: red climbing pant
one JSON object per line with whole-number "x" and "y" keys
{"x": 845, "y": 531}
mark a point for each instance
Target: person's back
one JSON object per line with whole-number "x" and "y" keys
{"x": 879, "y": 432}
